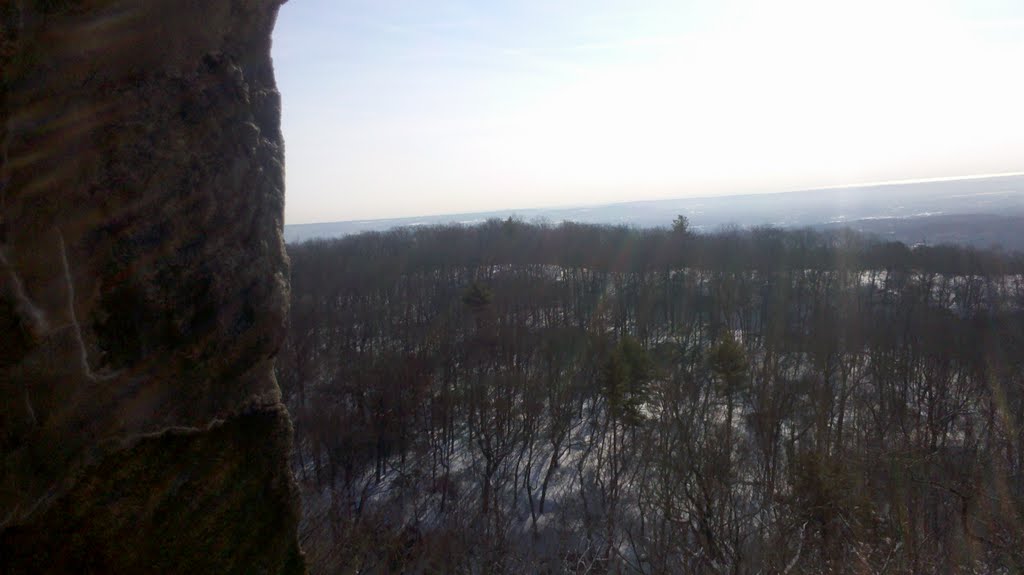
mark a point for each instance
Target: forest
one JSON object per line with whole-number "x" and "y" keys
{"x": 537, "y": 398}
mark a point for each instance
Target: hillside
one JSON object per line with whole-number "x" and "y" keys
{"x": 516, "y": 398}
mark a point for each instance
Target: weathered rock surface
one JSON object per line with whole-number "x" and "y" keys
{"x": 142, "y": 289}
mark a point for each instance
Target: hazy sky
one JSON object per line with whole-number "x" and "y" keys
{"x": 401, "y": 108}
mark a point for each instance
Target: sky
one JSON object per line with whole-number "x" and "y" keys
{"x": 404, "y": 108}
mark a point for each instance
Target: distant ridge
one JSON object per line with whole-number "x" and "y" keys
{"x": 1001, "y": 195}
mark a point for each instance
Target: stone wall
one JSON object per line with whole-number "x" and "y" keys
{"x": 143, "y": 289}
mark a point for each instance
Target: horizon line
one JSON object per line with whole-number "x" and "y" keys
{"x": 576, "y": 206}
{"x": 916, "y": 181}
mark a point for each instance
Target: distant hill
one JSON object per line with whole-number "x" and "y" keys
{"x": 979, "y": 230}
{"x": 979, "y": 211}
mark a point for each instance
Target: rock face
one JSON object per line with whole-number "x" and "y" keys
{"x": 143, "y": 289}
